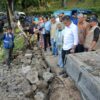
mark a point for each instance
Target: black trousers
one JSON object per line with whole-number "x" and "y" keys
{"x": 64, "y": 53}
{"x": 46, "y": 38}
{"x": 79, "y": 48}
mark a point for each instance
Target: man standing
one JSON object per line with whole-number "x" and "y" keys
{"x": 53, "y": 35}
{"x": 46, "y": 35}
{"x": 70, "y": 37}
{"x": 92, "y": 41}
{"x": 82, "y": 31}
{"x": 8, "y": 43}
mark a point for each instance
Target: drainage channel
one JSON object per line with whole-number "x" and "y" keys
{"x": 30, "y": 78}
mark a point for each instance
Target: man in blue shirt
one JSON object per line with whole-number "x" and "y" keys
{"x": 8, "y": 43}
{"x": 46, "y": 35}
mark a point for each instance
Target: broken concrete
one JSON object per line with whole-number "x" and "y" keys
{"x": 81, "y": 67}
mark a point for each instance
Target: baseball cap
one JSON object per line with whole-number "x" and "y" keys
{"x": 93, "y": 19}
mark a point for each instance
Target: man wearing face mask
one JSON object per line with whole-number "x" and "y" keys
{"x": 92, "y": 41}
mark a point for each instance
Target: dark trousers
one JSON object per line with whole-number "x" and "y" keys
{"x": 79, "y": 48}
{"x": 64, "y": 53}
{"x": 8, "y": 55}
{"x": 46, "y": 38}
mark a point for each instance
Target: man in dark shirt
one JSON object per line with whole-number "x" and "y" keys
{"x": 92, "y": 38}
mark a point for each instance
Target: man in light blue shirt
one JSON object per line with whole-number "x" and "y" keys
{"x": 46, "y": 35}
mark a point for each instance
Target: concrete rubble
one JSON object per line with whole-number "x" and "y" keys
{"x": 30, "y": 78}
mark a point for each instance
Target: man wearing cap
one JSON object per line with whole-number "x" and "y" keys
{"x": 82, "y": 30}
{"x": 92, "y": 37}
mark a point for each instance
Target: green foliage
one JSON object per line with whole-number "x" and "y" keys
{"x": 19, "y": 43}
{"x": 1, "y": 54}
{"x": 28, "y": 3}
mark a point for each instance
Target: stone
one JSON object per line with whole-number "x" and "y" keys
{"x": 32, "y": 77}
{"x": 28, "y": 55}
{"x": 39, "y": 96}
{"x": 34, "y": 87}
{"x": 25, "y": 69}
{"x": 47, "y": 76}
{"x": 35, "y": 48}
{"x": 26, "y": 88}
{"x": 42, "y": 85}
{"x": 26, "y": 61}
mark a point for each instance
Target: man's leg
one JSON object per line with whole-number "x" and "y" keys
{"x": 45, "y": 44}
{"x": 56, "y": 49}
{"x": 49, "y": 40}
{"x": 7, "y": 56}
{"x": 63, "y": 56}
{"x": 10, "y": 55}
{"x": 52, "y": 45}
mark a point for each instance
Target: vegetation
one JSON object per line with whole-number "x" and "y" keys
{"x": 44, "y": 7}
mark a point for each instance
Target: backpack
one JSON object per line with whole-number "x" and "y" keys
{"x": 8, "y": 41}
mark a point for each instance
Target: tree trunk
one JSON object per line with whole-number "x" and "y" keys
{"x": 10, "y": 12}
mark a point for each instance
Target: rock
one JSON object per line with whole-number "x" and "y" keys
{"x": 39, "y": 96}
{"x": 26, "y": 88}
{"x": 26, "y": 61}
{"x": 42, "y": 85}
{"x": 21, "y": 93}
{"x": 32, "y": 77}
{"x": 26, "y": 69}
{"x": 12, "y": 95}
{"x": 28, "y": 93}
{"x": 35, "y": 48}
{"x": 47, "y": 76}
{"x": 35, "y": 61}
{"x": 28, "y": 55}
{"x": 34, "y": 87}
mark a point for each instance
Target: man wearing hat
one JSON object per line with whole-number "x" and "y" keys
{"x": 92, "y": 38}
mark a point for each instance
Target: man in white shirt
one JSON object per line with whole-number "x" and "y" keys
{"x": 70, "y": 37}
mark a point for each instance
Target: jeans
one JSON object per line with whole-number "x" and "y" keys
{"x": 54, "y": 47}
{"x": 64, "y": 53}
{"x": 60, "y": 62}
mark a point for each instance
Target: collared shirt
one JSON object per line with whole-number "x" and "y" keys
{"x": 70, "y": 36}
{"x": 53, "y": 30}
{"x": 47, "y": 26}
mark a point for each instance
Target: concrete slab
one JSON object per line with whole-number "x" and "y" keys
{"x": 81, "y": 67}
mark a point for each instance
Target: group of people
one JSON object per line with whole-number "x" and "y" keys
{"x": 67, "y": 34}
{"x": 61, "y": 35}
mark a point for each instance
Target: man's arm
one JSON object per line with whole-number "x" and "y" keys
{"x": 75, "y": 34}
